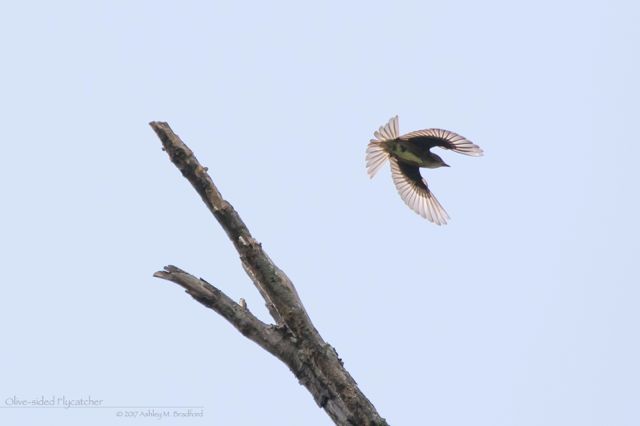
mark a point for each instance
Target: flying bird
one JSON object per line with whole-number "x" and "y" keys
{"x": 407, "y": 153}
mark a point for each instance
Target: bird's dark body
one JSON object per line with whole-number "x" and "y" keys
{"x": 415, "y": 151}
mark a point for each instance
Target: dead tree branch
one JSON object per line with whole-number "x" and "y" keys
{"x": 293, "y": 338}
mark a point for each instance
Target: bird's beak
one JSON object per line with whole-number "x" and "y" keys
{"x": 446, "y": 165}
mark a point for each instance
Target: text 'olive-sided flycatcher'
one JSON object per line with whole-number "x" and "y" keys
{"x": 407, "y": 153}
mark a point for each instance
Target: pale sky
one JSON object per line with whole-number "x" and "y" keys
{"x": 523, "y": 311}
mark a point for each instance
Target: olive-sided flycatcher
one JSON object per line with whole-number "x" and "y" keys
{"x": 407, "y": 153}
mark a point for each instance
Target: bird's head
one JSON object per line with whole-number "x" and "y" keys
{"x": 437, "y": 161}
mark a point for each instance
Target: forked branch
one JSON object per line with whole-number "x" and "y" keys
{"x": 292, "y": 338}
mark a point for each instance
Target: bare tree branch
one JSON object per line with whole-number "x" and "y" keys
{"x": 269, "y": 337}
{"x": 293, "y": 339}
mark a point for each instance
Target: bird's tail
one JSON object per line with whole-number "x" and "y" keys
{"x": 377, "y": 154}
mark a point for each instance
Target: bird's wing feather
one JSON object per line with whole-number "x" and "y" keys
{"x": 448, "y": 140}
{"x": 415, "y": 193}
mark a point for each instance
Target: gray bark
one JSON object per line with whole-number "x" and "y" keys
{"x": 292, "y": 338}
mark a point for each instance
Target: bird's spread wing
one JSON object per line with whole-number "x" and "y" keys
{"x": 446, "y": 139}
{"x": 376, "y": 152}
{"x": 415, "y": 193}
